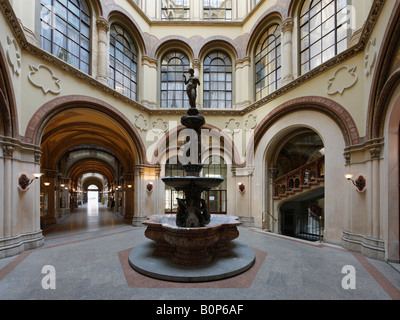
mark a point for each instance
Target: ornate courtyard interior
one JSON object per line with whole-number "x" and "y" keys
{"x": 108, "y": 106}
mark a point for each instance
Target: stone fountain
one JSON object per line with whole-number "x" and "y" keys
{"x": 193, "y": 245}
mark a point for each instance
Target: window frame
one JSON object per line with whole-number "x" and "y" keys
{"x": 133, "y": 94}
{"x": 208, "y": 83}
{"x": 164, "y": 73}
{"x": 277, "y": 61}
{"x": 84, "y": 32}
{"x": 185, "y": 8}
{"x": 306, "y": 57}
{"x": 210, "y": 9}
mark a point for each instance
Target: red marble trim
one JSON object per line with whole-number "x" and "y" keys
{"x": 386, "y": 285}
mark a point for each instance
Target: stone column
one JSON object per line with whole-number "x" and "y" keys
{"x": 270, "y": 222}
{"x": 8, "y": 151}
{"x": 51, "y": 177}
{"x": 103, "y": 50}
{"x": 375, "y": 187}
{"x": 196, "y": 68}
{"x": 129, "y": 196}
{"x": 287, "y": 51}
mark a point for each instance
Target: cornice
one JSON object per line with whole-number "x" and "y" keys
{"x": 49, "y": 58}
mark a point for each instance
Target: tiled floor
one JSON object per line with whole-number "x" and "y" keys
{"x": 88, "y": 252}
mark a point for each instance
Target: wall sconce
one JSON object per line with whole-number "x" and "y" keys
{"x": 46, "y": 184}
{"x": 242, "y": 187}
{"x": 129, "y": 186}
{"x": 149, "y": 187}
{"x": 360, "y": 183}
{"x": 24, "y": 182}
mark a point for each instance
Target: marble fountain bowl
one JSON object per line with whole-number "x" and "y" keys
{"x": 192, "y": 246}
{"x": 191, "y": 254}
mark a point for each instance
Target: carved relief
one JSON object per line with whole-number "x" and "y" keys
{"x": 251, "y": 122}
{"x": 141, "y": 123}
{"x": 43, "y": 77}
{"x": 160, "y": 125}
{"x": 370, "y": 56}
{"x": 232, "y": 126}
{"x": 13, "y": 55}
{"x": 344, "y": 78}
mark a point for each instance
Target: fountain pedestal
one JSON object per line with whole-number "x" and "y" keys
{"x": 192, "y": 245}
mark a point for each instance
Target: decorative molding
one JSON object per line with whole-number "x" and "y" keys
{"x": 13, "y": 55}
{"x": 141, "y": 123}
{"x": 150, "y": 62}
{"x": 342, "y": 80}
{"x": 370, "y": 56}
{"x": 8, "y": 151}
{"x": 47, "y": 78}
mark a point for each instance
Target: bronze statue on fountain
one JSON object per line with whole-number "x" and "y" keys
{"x": 192, "y": 211}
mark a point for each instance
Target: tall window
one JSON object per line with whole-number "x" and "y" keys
{"x": 175, "y": 10}
{"x": 217, "y": 81}
{"x": 268, "y": 62}
{"x": 173, "y": 94}
{"x": 65, "y": 31}
{"x": 216, "y": 198}
{"x": 322, "y": 31}
{"x": 123, "y": 62}
{"x": 217, "y": 9}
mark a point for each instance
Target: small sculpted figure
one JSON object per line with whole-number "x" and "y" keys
{"x": 191, "y": 87}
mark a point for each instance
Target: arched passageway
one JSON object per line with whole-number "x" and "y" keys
{"x": 84, "y": 144}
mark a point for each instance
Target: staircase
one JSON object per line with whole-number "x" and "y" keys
{"x": 301, "y": 179}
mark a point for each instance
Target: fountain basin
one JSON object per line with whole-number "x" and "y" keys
{"x": 200, "y": 183}
{"x": 192, "y": 246}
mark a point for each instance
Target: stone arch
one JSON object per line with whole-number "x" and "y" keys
{"x": 390, "y": 178}
{"x": 322, "y": 105}
{"x": 386, "y": 77}
{"x": 121, "y": 16}
{"x": 162, "y": 147}
{"x": 334, "y": 141}
{"x": 219, "y": 44}
{"x": 44, "y": 114}
{"x": 170, "y": 43}
{"x": 8, "y": 111}
{"x": 270, "y": 17}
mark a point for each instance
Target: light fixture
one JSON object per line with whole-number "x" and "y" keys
{"x": 24, "y": 182}
{"x": 242, "y": 187}
{"x": 360, "y": 183}
{"x": 149, "y": 187}
{"x": 129, "y": 186}
{"x": 46, "y": 184}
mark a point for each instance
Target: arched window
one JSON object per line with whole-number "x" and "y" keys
{"x": 65, "y": 31}
{"x": 268, "y": 62}
{"x": 323, "y": 32}
{"x": 123, "y": 62}
{"x": 173, "y": 94}
{"x": 217, "y": 72}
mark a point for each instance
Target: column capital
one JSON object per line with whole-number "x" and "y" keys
{"x": 287, "y": 25}
{"x": 8, "y": 151}
{"x": 102, "y": 24}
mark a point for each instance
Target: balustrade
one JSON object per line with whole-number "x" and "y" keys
{"x": 304, "y": 176}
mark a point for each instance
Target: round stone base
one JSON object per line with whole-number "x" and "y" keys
{"x": 143, "y": 261}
